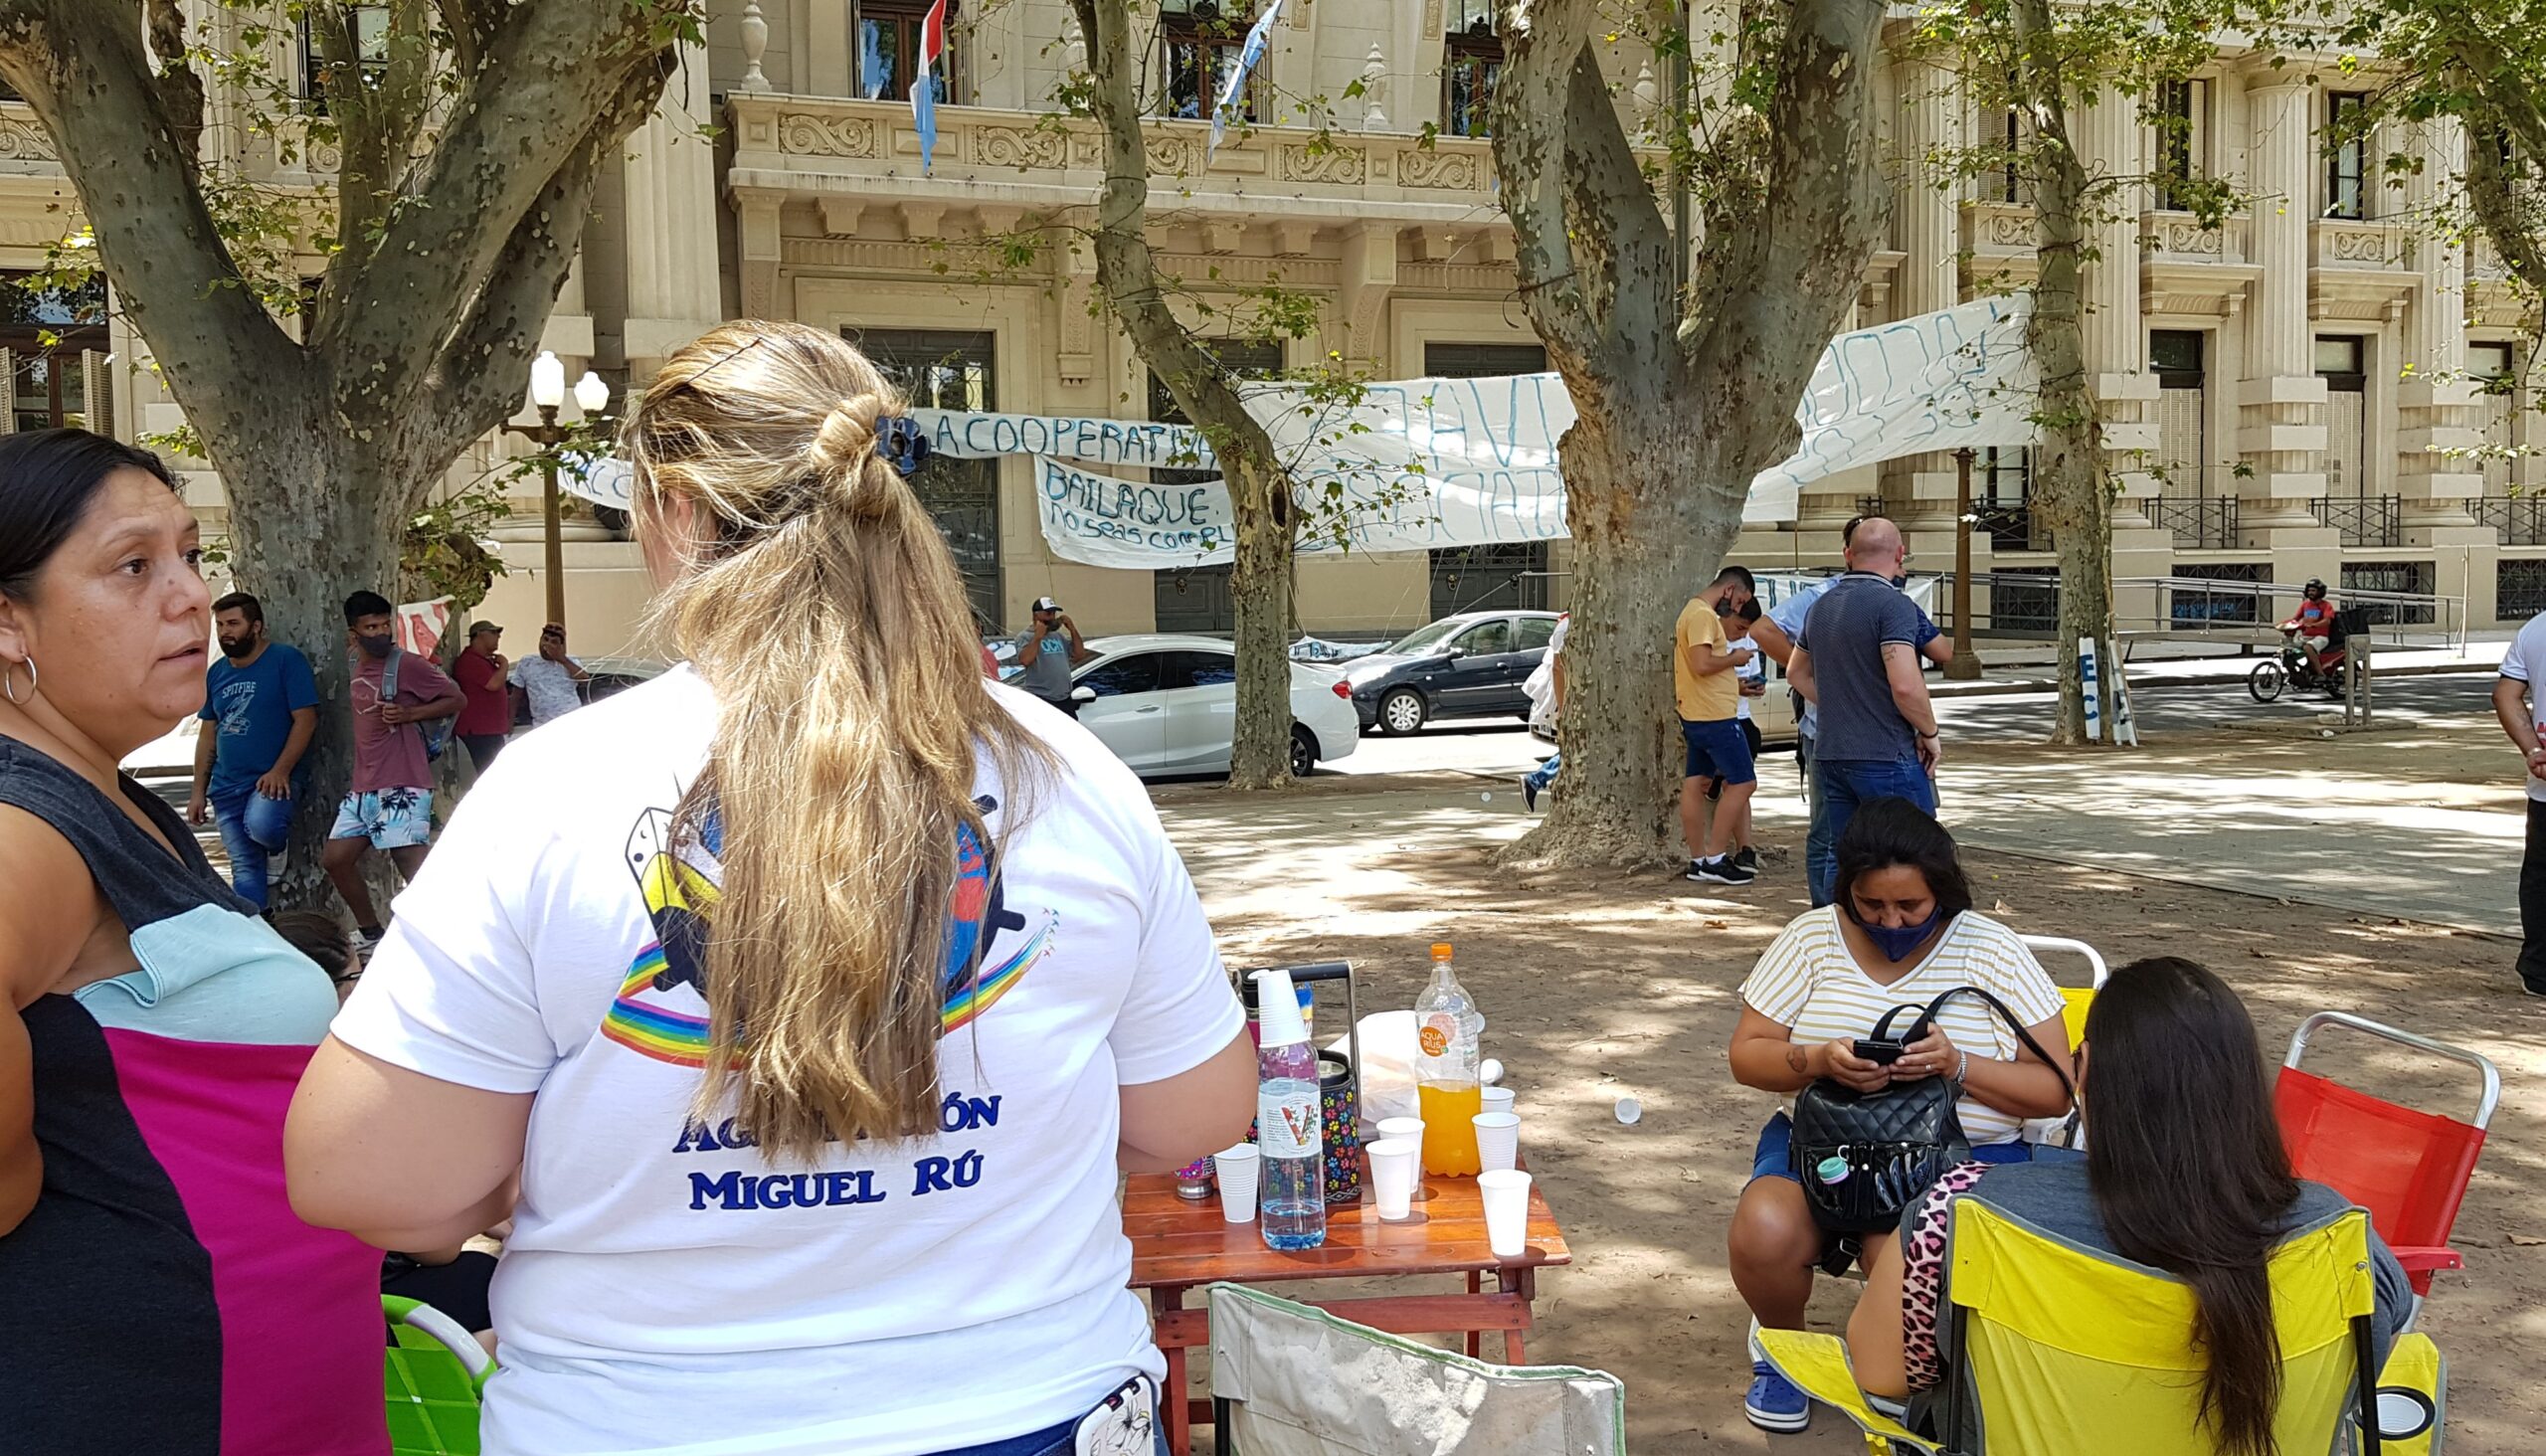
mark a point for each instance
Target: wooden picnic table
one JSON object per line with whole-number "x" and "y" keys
{"x": 1180, "y": 1244}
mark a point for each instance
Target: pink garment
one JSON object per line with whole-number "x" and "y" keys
{"x": 392, "y": 754}
{"x": 300, "y": 1325}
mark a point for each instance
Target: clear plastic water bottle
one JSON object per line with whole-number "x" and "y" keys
{"x": 1291, "y": 1200}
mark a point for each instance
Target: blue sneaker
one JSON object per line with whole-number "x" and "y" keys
{"x": 1774, "y": 1404}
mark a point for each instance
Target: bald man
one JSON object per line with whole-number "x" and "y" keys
{"x": 1857, "y": 660}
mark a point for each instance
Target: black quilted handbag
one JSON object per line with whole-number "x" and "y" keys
{"x": 1861, "y": 1156}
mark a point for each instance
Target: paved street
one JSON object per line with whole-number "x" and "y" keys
{"x": 2416, "y": 819}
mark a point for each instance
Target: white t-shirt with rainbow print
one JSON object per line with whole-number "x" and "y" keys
{"x": 667, "y": 1290}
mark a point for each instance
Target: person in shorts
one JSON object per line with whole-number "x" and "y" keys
{"x": 390, "y": 807}
{"x": 1703, "y": 668}
{"x": 1753, "y": 681}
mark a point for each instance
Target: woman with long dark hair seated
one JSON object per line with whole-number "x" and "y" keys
{"x": 1899, "y": 930}
{"x": 2185, "y": 1172}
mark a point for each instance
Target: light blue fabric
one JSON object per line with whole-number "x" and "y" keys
{"x": 215, "y": 975}
{"x": 1788, "y": 615}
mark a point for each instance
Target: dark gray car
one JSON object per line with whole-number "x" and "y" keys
{"x": 1472, "y": 666}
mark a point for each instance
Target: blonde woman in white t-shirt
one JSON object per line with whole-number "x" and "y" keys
{"x": 1901, "y": 930}
{"x": 800, "y": 1006}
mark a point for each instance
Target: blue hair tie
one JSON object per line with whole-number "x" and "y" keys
{"x": 904, "y": 442}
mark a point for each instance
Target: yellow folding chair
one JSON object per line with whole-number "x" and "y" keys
{"x": 2074, "y": 1000}
{"x": 2063, "y": 1350}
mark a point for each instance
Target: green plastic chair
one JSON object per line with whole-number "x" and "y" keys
{"x": 435, "y": 1374}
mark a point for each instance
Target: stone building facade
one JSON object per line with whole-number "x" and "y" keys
{"x": 2280, "y": 392}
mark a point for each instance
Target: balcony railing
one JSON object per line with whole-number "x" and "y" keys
{"x": 2519, "y": 521}
{"x": 2368, "y": 520}
{"x": 2197, "y": 522}
{"x": 2342, "y": 243}
{"x": 2008, "y": 527}
{"x": 2179, "y": 237}
{"x": 1031, "y": 158}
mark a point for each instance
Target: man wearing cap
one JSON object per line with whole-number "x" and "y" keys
{"x": 552, "y": 681}
{"x": 1047, "y": 650}
{"x": 479, "y": 670}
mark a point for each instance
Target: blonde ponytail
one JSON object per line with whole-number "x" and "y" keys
{"x": 819, "y": 601}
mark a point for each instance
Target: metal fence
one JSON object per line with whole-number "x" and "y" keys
{"x": 2197, "y": 522}
{"x": 2027, "y": 604}
{"x": 2519, "y": 520}
{"x": 2364, "y": 521}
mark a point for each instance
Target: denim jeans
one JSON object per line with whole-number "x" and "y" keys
{"x": 1545, "y": 774}
{"x": 2532, "y": 901}
{"x": 1839, "y": 786}
{"x": 253, "y": 828}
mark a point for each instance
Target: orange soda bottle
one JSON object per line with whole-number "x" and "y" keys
{"x": 1448, "y": 1027}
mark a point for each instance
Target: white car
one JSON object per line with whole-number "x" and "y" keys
{"x": 1167, "y": 705}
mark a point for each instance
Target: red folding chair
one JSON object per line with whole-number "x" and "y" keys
{"x": 2408, "y": 1168}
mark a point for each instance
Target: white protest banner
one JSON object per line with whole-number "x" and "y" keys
{"x": 1437, "y": 462}
{"x": 1955, "y": 378}
{"x": 603, "y": 481}
{"x": 1097, "y": 520}
{"x": 968, "y": 436}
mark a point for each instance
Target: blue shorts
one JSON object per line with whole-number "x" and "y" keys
{"x": 1718, "y": 750}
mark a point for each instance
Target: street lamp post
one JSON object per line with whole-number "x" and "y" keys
{"x": 548, "y": 393}
{"x": 1966, "y": 665}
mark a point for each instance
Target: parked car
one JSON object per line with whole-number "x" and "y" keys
{"x": 1168, "y": 705}
{"x": 1472, "y": 666}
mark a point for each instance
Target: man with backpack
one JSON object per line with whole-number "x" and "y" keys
{"x": 403, "y": 706}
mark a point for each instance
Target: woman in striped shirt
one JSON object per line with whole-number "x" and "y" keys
{"x": 1899, "y": 931}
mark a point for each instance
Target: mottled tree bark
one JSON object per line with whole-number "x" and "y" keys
{"x": 1259, "y": 488}
{"x": 1681, "y": 399}
{"x": 2072, "y": 487}
{"x": 420, "y": 338}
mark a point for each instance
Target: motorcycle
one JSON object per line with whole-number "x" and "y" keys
{"x": 2291, "y": 668}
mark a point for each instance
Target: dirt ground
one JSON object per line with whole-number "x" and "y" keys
{"x": 1600, "y": 986}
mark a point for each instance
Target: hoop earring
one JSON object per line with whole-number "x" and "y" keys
{"x": 10, "y": 693}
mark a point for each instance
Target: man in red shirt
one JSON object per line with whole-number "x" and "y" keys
{"x": 479, "y": 670}
{"x": 2313, "y": 623}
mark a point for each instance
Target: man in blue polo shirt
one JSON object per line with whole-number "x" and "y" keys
{"x": 1857, "y": 661}
{"x": 260, "y": 709}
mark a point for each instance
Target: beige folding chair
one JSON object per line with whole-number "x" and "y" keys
{"x": 1290, "y": 1379}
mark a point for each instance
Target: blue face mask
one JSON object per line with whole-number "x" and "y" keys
{"x": 1896, "y": 943}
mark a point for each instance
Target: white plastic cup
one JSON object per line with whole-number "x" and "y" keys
{"x": 1489, "y": 1071}
{"x": 1394, "y": 1166}
{"x": 1497, "y": 1139}
{"x": 1630, "y": 1112}
{"x": 1498, "y": 1099}
{"x": 1239, "y": 1168}
{"x": 1411, "y": 1128}
{"x": 1506, "y": 1212}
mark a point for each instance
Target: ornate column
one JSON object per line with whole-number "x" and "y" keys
{"x": 2281, "y": 435}
{"x": 673, "y": 295}
{"x": 2116, "y": 350}
{"x": 1928, "y": 117}
{"x": 2436, "y": 403}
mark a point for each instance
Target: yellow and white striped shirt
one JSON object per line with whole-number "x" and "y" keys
{"x": 1808, "y": 981}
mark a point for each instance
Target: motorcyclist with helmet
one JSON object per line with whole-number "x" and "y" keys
{"x": 2313, "y": 626}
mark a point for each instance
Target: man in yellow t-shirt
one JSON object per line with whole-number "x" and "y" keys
{"x": 1709, "y": 694}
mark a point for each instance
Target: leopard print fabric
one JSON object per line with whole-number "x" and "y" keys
{"x": 1922, "y": 1275}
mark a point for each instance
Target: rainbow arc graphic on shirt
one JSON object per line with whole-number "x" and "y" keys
{"x": 681, "y": 895}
